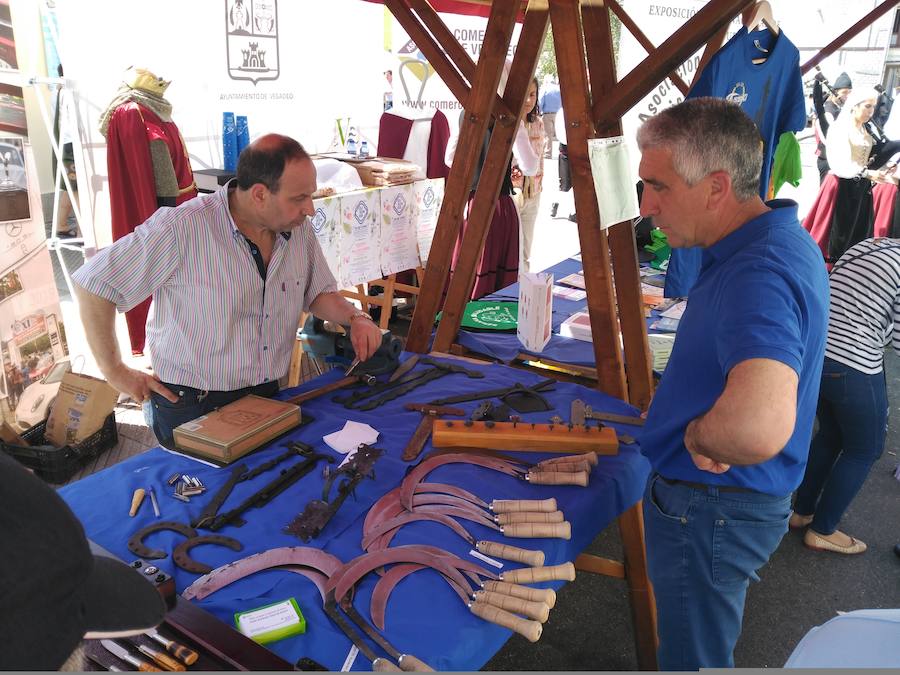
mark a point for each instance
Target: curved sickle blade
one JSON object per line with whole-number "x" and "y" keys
{"x": 408, "y": 486}
{"x": 405, "y": 518}
{"x": 305, "y": 556}
{"x": 385, "y": 585}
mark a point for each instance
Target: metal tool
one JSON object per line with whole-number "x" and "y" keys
{"x": 429, "y": 412}
{"x": 582, "y": 412}
{"x": 518, "y": 393}
{"x": 364, "y": 378}
{"x": 106, "y": 666}
{"x": 122, "y": 653}
{"x": 404, "y": 368}
{"x": 184, "y": 654}
{"x": 153, "y": 501}
{"x": 164, "y": 660}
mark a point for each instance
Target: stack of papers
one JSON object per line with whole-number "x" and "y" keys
{"x": 576, "y": 279}
{"x": 577, "y": 326}
{"x": 573, "y": 294}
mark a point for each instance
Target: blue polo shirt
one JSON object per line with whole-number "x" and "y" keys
{"x": 762, "y": 293}
{"x": 550, "y": 101}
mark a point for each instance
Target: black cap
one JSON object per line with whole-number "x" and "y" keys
{"x": 53, "y": 591}
{"x": 843, "y": 82}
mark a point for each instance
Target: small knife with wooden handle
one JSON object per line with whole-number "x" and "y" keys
{"x": 184, "y": 654}
{"x": 164, "y": 660}
{"x": 123, "y": 654}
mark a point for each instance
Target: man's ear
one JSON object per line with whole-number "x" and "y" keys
{"x": 719, "y": 183}
{"x": 258, "y": 194}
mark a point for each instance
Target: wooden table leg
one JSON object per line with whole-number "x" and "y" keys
{"x": 640, "y": 591}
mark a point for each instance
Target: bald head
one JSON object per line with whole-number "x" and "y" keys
{"x": 263, "y": 161}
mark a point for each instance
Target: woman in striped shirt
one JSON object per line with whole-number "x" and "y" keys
{"x": 864, "y": 314}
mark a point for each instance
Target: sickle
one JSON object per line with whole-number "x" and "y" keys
{"x": 390, "y": 502}
{"x": 404, "y": 518}
{"x": 446, "y": 489}
{"x": 183, "y": 559}
{"x": 136, "y": 543}
{"x": 301, "y": 556}
{"x": 378, "y": 542}
{"x": 414, "y": 477}
{"x": 387, "y": 583}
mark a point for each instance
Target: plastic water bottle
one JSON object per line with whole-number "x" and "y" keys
{"x": 351, "y": 145}
{"x": 363, "y": 149}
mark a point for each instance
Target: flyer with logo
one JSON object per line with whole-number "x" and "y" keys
{"x": 326, "y": 223}
{"x": 399, "y": 250}
{"x": 429, "y": 197}
{"x": 360, "y": 237}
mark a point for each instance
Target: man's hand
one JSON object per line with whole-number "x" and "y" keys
{"x": 138, "y": 385}
{"x": 365, "y": 337}
{"x": 702, "y": 462}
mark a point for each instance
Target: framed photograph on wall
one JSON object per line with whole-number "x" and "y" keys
{"x": 14, "y": 201}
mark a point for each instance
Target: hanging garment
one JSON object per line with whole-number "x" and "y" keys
{"x": 787, "y": 166}
{"x": 771, "y": 93}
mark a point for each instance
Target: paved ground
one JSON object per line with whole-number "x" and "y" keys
{"x": 591, "y": 627}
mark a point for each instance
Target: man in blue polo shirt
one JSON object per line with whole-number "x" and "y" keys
{"x": 729, "y": 427}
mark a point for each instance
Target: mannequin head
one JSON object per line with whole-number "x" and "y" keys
{"x": 143, "y": 79}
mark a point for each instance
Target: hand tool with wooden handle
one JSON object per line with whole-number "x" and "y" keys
{"x": 589, "y": 457}
{"x": 529, "y": 629}
{"x": 580, "y": 412}
{"x": 558, "y": 478}
{"x": 512, "y": 505}
{"x": 563, "y": 467}
{"x": 538, "y": 611}
{"x": 161, "y": 659}
{"x": 299, "y": 399}
{"x": 404, "y": 368}
{"x": 136, "y": 500}
{"x": 561, "y": 530}
{"x": 110, "y": 667}
{"x": 429, "y": 412}
{"x": 184, "y": 654}
{"x": 529, "y": 517}
{"x": 533, "y": 575}
{"x": 545, "y": 595}
{"x": 514, "y": 553}
{"x": 383, "y": 665}
{"x": 123, "y": 654}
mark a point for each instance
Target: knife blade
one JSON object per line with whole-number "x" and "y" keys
{"x": 163, "y": 660}
{"x": 184, "y": 654}
{"x": 404, "y": 368}
{"x": 110, "y": 667}
{"x": 122, "y": 653}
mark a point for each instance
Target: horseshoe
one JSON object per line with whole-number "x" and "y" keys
{"x": 316, "y": 562}
{"x": 182, "y": 557}
{"x": 136, "y": 543}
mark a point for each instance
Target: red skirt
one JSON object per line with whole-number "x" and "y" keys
{"x": 883, "y": 197}
{"x": 498, "y": 266}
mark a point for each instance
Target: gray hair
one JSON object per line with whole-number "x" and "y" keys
{"x": 705, "y": 135}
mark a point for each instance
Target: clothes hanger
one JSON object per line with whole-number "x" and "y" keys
{"x": 758, "y": 17}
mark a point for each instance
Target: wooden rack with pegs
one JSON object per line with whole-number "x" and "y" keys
{"x": 524, "y": 437}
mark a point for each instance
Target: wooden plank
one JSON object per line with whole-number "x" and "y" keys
{"x": 594, "y": 564}
{"x": 848, "y": 34}
{"x": 622, "y": 244}
{"x": 640, "y": 591}
{"x": 495, "y": 167}
{"x": 570, "y": 57}
{"x": 669, "y": 55}
{"x": 638, "y": 34}
{"x": 451, "y": 46}
{"x": 475, "y": 122}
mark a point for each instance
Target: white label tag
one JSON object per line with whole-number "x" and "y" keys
{"x": 351, "y": 657}
{"x": 484, "y": 558}
{"x": 268, "y": 618}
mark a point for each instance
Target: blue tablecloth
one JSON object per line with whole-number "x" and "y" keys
{"x": 425, "y": 617}
{"x": 506, "y": 346}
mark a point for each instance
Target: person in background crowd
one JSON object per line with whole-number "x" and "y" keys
{"x": 56, "y": 592}
{"x": 549, "y": 103}
{"x": 63, "y": 135}
{"x": 498, "y": 265}
{"x": 882, "y": 107}
{"x": 831, "y": 107}
{"x": 230, "y": 274}
{"x": 565, "y": 175}
{"x": 728, "y": 430}
{"x": 528, "y": 197}
{"x": 842, "y": 214}
{"x": 864, "y": 316}
{"x": 14, "y": 383}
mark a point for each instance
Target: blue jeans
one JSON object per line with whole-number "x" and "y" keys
{"x": 192, "y": 403}
{"x": 703, "y": 548}
{"x": 852, "y": 414}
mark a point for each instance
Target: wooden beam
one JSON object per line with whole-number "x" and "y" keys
{"x": 622, "y": 244}
{"x": 640, "y": 590}
{"x": 456, "y": 192}
{"x": 848, "y": 35}
{"x": 642, "y": 39}
{"x": 495, "y": 167}
{"x": 443, "y": 66}
{"x": 570, "y": 58}
{"x": 669, "y": 55}
{"x": 594, "y": 564}
{"x": 451, "y": 46}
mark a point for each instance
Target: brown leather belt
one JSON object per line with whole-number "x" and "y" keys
{"x": 703, "y": 486}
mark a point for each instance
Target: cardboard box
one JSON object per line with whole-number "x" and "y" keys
{"x": 233, "y": 430}
{"x": 82, "y": 405}
{"x": 535, "y": 323}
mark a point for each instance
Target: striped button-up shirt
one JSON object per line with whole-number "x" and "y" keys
{"x": 214, "y": 324}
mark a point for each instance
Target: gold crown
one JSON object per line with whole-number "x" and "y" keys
{"x": 140, "y": 78}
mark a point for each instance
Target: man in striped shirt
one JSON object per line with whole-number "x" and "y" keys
{"x": 230, "y": 274}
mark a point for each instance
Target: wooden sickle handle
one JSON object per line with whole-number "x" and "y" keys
{"x": 530, "y": 517}
{"x": 514, "y": 553}
{"x": 533, "y": 575}
{"x": 545, "y": 595}
{"x": 412, "y": 664}
{"x": 561, "y": 530}
{"x": 563, "y": 467}
{"x": 513, "y": 505}
{"x": 533, "y": 610}
{"x": 382, "y": 665}
{"x": 589, "y": 457}
{"x": 531, "y": 630}
{"x": 557, "y": 478}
